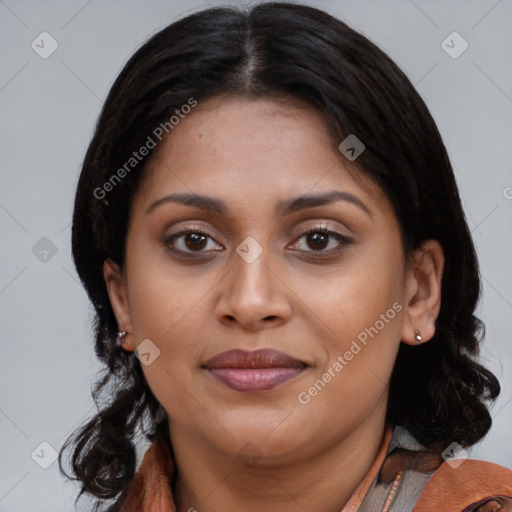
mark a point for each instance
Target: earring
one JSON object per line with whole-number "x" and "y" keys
{"x": 417, "y": 336}
{"x": 121, "y": 335}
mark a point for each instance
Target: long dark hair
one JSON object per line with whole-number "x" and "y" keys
{"x": 437, "y": 390}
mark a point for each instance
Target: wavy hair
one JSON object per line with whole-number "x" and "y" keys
{"x": 438, "y": 390}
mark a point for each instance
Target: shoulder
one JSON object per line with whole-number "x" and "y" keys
{"x": 472, "y": 486}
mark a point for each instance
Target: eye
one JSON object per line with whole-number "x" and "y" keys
{"x": 322, "y": 240}
{"x": 191, "y": 241}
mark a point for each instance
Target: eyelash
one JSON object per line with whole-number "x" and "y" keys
{"x": 343, "y": 242}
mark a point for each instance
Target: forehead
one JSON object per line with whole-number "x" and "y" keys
{"x": 253, "y": 152}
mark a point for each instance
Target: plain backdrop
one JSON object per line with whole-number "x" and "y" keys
{"x": 48, "y": 110}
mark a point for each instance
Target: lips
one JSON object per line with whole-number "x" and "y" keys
{"x": 256, "y": 371}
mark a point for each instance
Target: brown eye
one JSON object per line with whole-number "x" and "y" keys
{"x": 195, "y": 241}
{"x": 191, "y": 241}
{"x": 321, "y": 240}
{"x": 317, "y": 240}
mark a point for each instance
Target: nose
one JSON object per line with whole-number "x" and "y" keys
{"x": 253, "y": 295}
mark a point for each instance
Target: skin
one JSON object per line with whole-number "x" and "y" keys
{"x": 251, "y": 154}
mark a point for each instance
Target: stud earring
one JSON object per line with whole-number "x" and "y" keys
{"x": 121, "y": 335}
{"x": 417, "y": 336}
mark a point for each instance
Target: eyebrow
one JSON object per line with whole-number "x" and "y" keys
{"x": 283, "y": 207}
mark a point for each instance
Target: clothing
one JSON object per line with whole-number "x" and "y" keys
{"x": 403, "y": 477}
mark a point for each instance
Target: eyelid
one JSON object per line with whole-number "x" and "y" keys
{"x": 322, "y": 225}
{"x": 196, "y": 228}
{"x": 318, "y": 225}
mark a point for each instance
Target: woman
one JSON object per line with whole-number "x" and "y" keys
{"x": 269, "y": 228}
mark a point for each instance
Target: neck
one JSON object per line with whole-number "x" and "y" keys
{"x": 209, "y": 480}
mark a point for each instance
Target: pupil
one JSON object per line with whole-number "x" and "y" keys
{"x": 319, "y": 239}
{"x": 195, "y": 241}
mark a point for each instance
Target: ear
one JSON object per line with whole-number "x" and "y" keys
{"x": 423, "y": 300}
{"x": 115, "y": 281}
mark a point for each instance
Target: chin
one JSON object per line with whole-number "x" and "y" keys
{"x": 274, "y": 440}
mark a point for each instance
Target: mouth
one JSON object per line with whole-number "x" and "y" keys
{"x": 253, "y": 372}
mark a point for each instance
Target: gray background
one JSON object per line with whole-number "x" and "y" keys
{"x": 48, "y": 110}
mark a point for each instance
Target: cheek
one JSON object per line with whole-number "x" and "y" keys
{"x": 162, "y": 295}
{"x": 166, "y": 307}
{"x": 361, "y": 348}
{"x": 362, "y": 306}
{"x": 352, "y": 297}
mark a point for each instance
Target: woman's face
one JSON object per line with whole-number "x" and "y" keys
{"x": 326, "y": 311}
